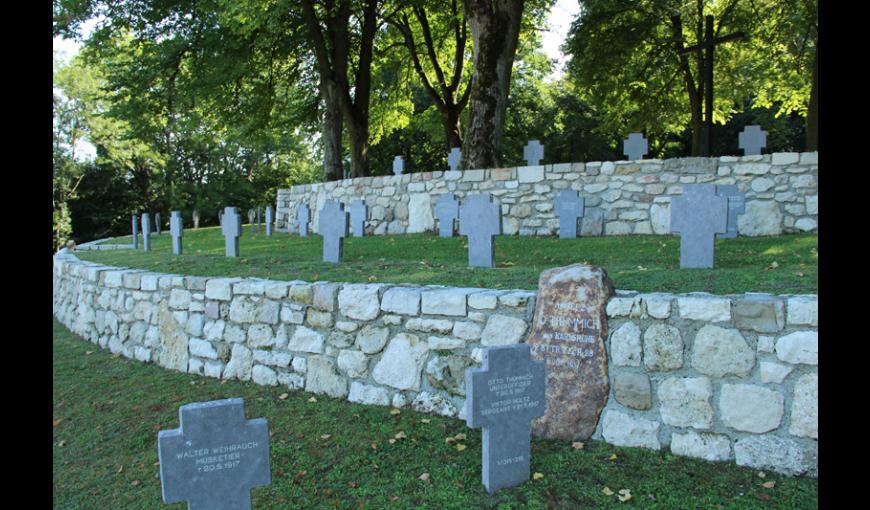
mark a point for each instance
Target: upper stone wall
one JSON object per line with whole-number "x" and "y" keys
{"x": 622, "y": 197}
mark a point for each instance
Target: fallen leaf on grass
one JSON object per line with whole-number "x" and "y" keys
{"x": 391, "y": 441}
{"x": 56, "y": 422}
{"x": 120, "y": 469}
{"x": 395, "y": 412}
{"x": 537, "y": 476}
{"x": 773, "y": 265}
{"x": 607, "y": 491}
{"x": 325, "y": 436}
{"x": 400, "y": 435}
{"x": 624, "y": 495}
{"x": 768, "y": 485}
{"x": 761, "y": 474}
{"x": 425, "y": 420}
{"x": 394, "y": 498}
{"x": 135, "y": 483}
{"x": 312, "y": 399}
{"x": 460, "y": 447}
{"x": 424, "y": 477}
{"x": 578, "y": 445}
{"x": 459, "y": 437}
{"x": 352, "y": 485}
{"x": 449, "y": 440}
{"x": 374, "y": 446}
{"x": 283, "y": 396}
{"x": 61, "y": 444}
{"x": 88, "y": 352}
{"x": 612, "y": 457}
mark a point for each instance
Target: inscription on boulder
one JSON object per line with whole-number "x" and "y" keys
{"x": 568, "y": 334}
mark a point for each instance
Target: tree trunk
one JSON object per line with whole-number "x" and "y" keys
{"x": 452, "y": 130}
{"x": 813, "y": 108}
{"x": 333, "y": 169}
{"x": 495, "y": 31}
{"x": 359, "y": 147}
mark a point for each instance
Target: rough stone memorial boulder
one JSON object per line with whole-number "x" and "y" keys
{"x": 569, "y": 330}
{"x": 215, "y": 457}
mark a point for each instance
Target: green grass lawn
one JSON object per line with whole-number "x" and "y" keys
{"x": 335, "y": 454}
{"x": 781, "y": 265}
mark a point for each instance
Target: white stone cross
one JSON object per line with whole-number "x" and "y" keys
{"x": 453, "y": 158}
{"x": 146, "y": 232}
{"x": 398, "y": 165}
{"x": 176, "y": 230}
{"x": 533, "y": 153}
{"x": 135, "y": 232}
{"x": 231, "y": 226}
{"x": 752, "y": 140}
{"x": 269, "y": 220}
{"x": 635, "y": 146}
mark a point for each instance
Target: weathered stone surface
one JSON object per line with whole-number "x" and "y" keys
{"x": 750, "y": 408}
{"x": 202, "y": 348}
{"x": 622, "y": 429}
{"x": 467, "y": 330}
{"x": 448, "y": 373}
{"x": 367, "y": 394}
{"x": 438, "y": 343}
{"x": 401, "y": 300}
{"x": 632, "y": 390}
{"x": 764, "y": 314}
{"x": 799, "y": 347}
{"x": 776, "y": 454}
{"x": 240, "y": 364}
{"x": 430, "y": 325}
{"x": 483, "y": 300}
{"x": 427, "y": 402}
{"x": 260, "y": 335}
{"x": 502, "y": 330}
{"x": 243, "y": 310}
{"x": 359, "y": 301}
{"x": 292, "y": 381}
{"x": 317, "y": 319}
{"x": 322, "y": 295}
{"x": 445, "y": 302}
{"x": 685, "y": 402}
{"x": 371, "y": 339}
{"x": 625, "y": 346}
{"x": 713, "y": 447}
{"x": 762, "y": 218}
{"x": 220, "y": 289}
{"x": 774, "y": 372}
{"x": 803, "y": 310}
{"x": 264, "y": 376}
{"x": 704, "y": 308}
{"x": 352, "y": 363}
{"x": 402, "y": 363}
{"x": 662, "y": 348}
{"x": 805, "y": 407}
{"x": 569, "y": 330}
{"x": 719, "y": 351}
{"x": 322, "y": 378}
{"x": 173, "y": 340}
{"x": 306, "y": 340}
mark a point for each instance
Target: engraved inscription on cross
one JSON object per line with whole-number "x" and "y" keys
{"x": 135, "y": 232}
{"x": 303, "y": 216}
{"x": 569, "y": 206}
{"x": 635, "y": 146}
{"x": 453, "y": 158}
{"x": 752, "y": 139}
{"x": 333, "y": 227}
{"x": 176, "y": 230}
{"x": 270, "y": 218}
{"x": 231, "y": 226}
{"x": 146, "y": 232}
{"x": 398, "y": 165}
{"x": 533, "y": 153}
{"x": 358, "y": 211}
{"x": 447, "y": 210}
{"x": 504, "y": 396}
{"x": 480, "y": 220}
{"x": 215, "y": 457}
{"x": 736, "y": 205}
{"x": 698, "y": 215}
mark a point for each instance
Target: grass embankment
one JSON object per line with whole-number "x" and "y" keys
{"x": 780, "y": 265}
{"x": 335, "y": 454}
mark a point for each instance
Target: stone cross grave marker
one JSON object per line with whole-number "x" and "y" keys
{"x": 157, "y": 223}
{"x": 269, "y": 220}
{"x": 635, "y": 146}
{"x": 569, "y": 206}
{"x": 215, "y": 457}
{"x": 358, "y": 213}
{"x": 447, "y": 210}
{"x": 752, "y": 140}
{"x": 697, "y": 215}
{"x": 231, "y": 226}
{"x": 251, "y": 218}
{"x": 135, "y": 232}
{"x": 146, "y": 232}
{"x": 176, "y": 230}
{"x": 480, "y": 220}
{"x": 398, "y": 165}
{"x": 195, "y": 219}
{"x": 533, "y": 153}
{"x": 736, "y": 205}
{"x": 504, "y": 395}
{"x": 454, "y": 158}
{"x": 334, "y": 228}
{"x": 569, "y": 331}
{"x": 303, "y": 216}
{"x": 259, "y": 223}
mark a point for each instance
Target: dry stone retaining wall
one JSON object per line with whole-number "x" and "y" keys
{"x": 622, "y": 197}
{"x": 716, "y": 377}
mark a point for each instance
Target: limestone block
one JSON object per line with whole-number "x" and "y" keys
{"x": 430, "y": 325}
{"x": 799, "y": 347}
{"x": 503, "y": 330}
{"x": 775, "y": 373}
{"x": 662, "y": 348}
{"x": 750, "y": 408}
{"x": 264, "y": 376}
{"x": 625, "y": 345}
{"x": 260, "y": 335}
{"x": 803, "y": 310}
{"x": 448, "y": 301}
{"x": 719, "y": 351}
{"x": 467, "y": 330}
{"x": 420, "y": 217}
{"x": 713, "y": 447}
{"x": 776, "y": 454}
{"x": 368, "y": 394}
{"x": 632, "y": 390}
{"x": 401, "y": 365}
{"x": 706, "y": 308}
{"x": 352, "y": 363}
{"x": 306, "y": 340}
{"x": 762, "y": 218}
{"x": 240, "y": 364}
{"x": 401, "y": 300}
{"x": 623, "y": 429}
{"x": 371, "y": 339}
{"x": 685, "y": 402}
{"x": 321, "y": 377}
{"x": 805, "y": 407}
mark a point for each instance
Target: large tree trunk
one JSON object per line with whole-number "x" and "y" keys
{"x": 452, "y": 130}
{"x": 359, "y": 147}
{"x": 813, "y": 109}
{"x": 495, "y": 27}
{"x": 333, "y": 169}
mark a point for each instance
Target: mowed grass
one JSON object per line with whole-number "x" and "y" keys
{"x": 334, "y": 454}
{"x": 781, "y": 265}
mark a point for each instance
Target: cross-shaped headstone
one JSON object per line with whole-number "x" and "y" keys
{"x": 453, "y": 158}
{"x": 736, "y": 205}
{"x": 195, "y": 219}
{"x": 146, "y": 232}
{"x": 533, "y": 153}
{"x": 303, "y": 216}
{"x": 358, "y": 212}
{"x": 251, "y": 217}
{"x": 635, "y": 146}
{"x": 176, "y": 230}
{"x": 504, "y": 395}
{"x": 231, "y": 226}
{"x": 258, "y": 218}
{"x": 333, "y": 227}
{"x": 215, "y": 457}
{"x": 135, "y": 232}
{"x": 480, "y": 220}
{"x": 569, "y": 206}
{"x": 269, "y": 220}
{"x": 447, "y": 210}
{"x": 697, "y": 215}
{"x": 157, "y": 223}
{"x": 398, "y": 165}
{"x": 752, "y": 140}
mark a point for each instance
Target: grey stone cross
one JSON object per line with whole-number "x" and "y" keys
{"x": 135, "y": 232}
{"x": 333, "y": 227}
{"x": 176, "y": 230}
{"x": 146, "y": 232}
{"x": 752, "y": 140}
{"x": 533, "y": 153}
{"x": 697, "y": 215}
{"x": 447, "y": 210}
{"x": 569, "y": 206}
{"x": 480, "y": 220}
{"x": 251, "y": 217}
{"x": 358, "y": 213}
{"x": 269, "y": 220}
{"x": 303, "y": 216}
{"x": 635, "y": 146}
{"x": 215, "y": 457}
{"x": 157, "y": 223}
{"x": 736, "y": 205}
{"x": 454, "y": 158}
{"x": 195, "y": 219}
{"x": 231, "y": 226}
{"x": 504, "y": 395}
{"x": 398, "y": 165}
{"x": 258, "y": 217}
